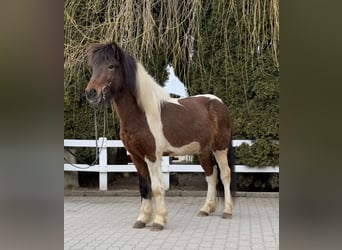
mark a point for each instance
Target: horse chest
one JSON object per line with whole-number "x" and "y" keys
{"x": 139, "y": 143}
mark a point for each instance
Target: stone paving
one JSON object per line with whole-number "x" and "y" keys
{"x": 106, "y": 223}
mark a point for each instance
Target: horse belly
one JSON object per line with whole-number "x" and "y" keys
{"x": 188, "y": 149}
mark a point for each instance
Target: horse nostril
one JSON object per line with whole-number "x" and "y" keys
{"x": 91, "y": 93}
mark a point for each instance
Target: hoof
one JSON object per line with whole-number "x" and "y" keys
{"x": 226, "y": 216}
{"x": 157, "y": 227}
{"x": 202, "y": 214}
{"x": 139, "y": 224}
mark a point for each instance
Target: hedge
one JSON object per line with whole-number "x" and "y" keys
{"x": 227, "y": 48}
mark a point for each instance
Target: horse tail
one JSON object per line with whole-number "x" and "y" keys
{"x": 231, "y": 163}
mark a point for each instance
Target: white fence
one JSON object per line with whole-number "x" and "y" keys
{"x": 103, "y": 168}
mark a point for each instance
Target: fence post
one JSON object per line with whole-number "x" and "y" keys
{"x": 102, "y": 144}
{"x": 166, "y": 171}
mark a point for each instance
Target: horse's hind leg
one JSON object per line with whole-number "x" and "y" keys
{"x": 157, "y": 186}
{"x": 145, "y": 215}
{"x": 221, "y": 158}
{"x": 211, "y": 177}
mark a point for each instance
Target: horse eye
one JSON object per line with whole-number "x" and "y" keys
{"x": 111, "y": 66}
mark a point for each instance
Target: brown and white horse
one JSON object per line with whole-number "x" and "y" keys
{"x": 153, "y": 124}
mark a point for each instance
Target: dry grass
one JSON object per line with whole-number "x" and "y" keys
{"x": 171, "y": 26}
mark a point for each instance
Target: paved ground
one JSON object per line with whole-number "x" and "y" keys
{"x": 106, "y": 223}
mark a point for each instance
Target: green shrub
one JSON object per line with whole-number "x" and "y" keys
{"x": 227, "y": 48}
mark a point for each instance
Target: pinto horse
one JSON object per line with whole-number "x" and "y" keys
{"x": 153, "y": 124}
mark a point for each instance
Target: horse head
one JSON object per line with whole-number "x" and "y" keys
{"x": 108, "y": 73}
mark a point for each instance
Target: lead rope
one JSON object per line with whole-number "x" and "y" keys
{"x": 97, "y": 149}
{"x": 95, "y": 126}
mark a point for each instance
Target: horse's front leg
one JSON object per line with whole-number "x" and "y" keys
{"x": 157, "y": 186}
{"x": 145, "y": 215}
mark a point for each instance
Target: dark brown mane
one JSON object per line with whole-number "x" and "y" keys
{"x": 99, "y": 54}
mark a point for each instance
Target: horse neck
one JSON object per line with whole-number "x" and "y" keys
{"x": 127, "y": 108}
{"x": 146, "y": 103}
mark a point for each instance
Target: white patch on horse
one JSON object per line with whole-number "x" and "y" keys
{"x": 150, "y": 94}
{"x": 175, "y": 101}
{"x": 210, "y": 97}
{"x": 191, "y": 148}
{"x": 150, "y": 99}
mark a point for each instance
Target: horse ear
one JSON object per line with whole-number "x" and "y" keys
{"x": 91, "y": 46}
{"x": 114, "y": 45}
{"x": 117, "y": 51}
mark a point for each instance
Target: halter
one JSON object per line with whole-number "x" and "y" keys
{"x": 103, "y": 91}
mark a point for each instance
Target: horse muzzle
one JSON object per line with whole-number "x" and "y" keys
{"x": 96, "y": 96}
{"x": 93, "y": 96}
